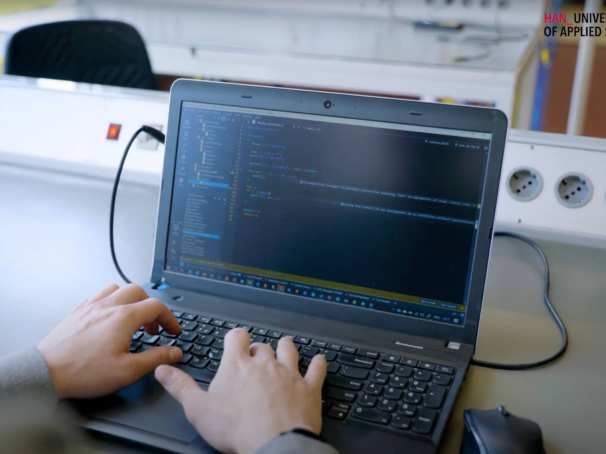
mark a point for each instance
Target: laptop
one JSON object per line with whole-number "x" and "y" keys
{"x": 359, "y": 225}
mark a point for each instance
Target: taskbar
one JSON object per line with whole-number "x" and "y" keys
{"x": 427, "y": 309}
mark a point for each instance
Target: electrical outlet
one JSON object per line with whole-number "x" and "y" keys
{"x": 525, "y": 184}
{"x": 567, "y": 198}
{"x": 574, "y": 190}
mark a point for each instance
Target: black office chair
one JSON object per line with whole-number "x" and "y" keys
{"x": 93, "y": 51}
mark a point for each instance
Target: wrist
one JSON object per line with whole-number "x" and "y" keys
{"x": 53, "y": 373}
{"x": 254, "y": 444}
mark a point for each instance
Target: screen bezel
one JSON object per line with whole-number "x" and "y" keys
{"x": 347, "y": 106}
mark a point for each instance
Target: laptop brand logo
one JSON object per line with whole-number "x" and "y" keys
{"x": 404, "y": 344}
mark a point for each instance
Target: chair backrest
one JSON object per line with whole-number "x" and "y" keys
{"x": 93, "y": 51}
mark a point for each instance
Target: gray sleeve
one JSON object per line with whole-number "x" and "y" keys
{"x": 25, "y": 372}
{"x": 294, "y": 443}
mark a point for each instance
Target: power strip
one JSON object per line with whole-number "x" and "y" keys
{"x": 554, "y": 186}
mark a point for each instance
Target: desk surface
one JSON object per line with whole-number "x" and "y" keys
{"x": 55, "y": 253}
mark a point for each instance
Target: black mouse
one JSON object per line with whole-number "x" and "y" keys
{"x": 499, "y": 432}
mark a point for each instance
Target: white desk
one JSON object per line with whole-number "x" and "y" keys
{"x": 55, "y": 253}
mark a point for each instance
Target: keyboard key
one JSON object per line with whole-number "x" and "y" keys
{"x": 205, "y": 340}
{"x": 205, "y": 329}
{"x": 188, "y": 325}
{"x": 409, "y": 362}
{"x": 185, "y": 358}
{"x": 440, "y": 379}
{"x": 412, "y": 397}
{"x": 134, "y": 347}
{"x": 199, "y": 350}
{"x": 343, "y": 382}
{"x": 201, "y": 375}
{"x": 428, "y": 366}
{"x": 339, "y": 394}
{"x": 302, "y": 340}
{"x": 417, "y": 386}
{"x": 404, "y": 371}
{"x": 335, "y": 347}
{"x": 354, "y": 372}
{"x": 317, "y": 343}
{"x": 423, "y": 375}
{"x": 215, "y": 354}
{"x": 336, "y": 413}
{"x": 392, "y": 393}
{"x": 348, "y": 349}
{"x": 219, "y": 332}
{"x": 231, "y": 325}
{"x": 217, "y": 322}
{"x": 386, "y": 368}
{"x": 367, "y": 400}
{"x": 368, "y": 353}
{"x": 374, "y": 389}
{"x": 184, "y": 346}
{"x": 371, "y": 415}
{"x": 330, "y": 355}
{"x": 166, "y": 342}
{"x": 178, "y": 314}
{"x": 380, "y": 378}
{"x": 214, "y": 365}
{"x": 333, "y": 367}
{"x": 187, "y": 316}
{"x": 275, "y": 334}
{"x": 391, "y": 358}
{"x": 187, "y": 336}
{"x": 387, "y": 405}
{"x": 150, "y": 339}
{"x": 204, "y": 319}
{"x": 260, "y": 331}
{"x": 310, "y": 352}
{"x": 137, "y": 335}
{"x": 353, "y": 360}
{"x": 445, "y": 370}
{"x": 401, "y": 422}
{"x": 255, "y": 338}
{"x": 398, "y": 382}
{"x": 435, "y": 396}
{"x": 408, "y": 410}
{"x": 200, "y": 363}
{"x": 424, "y": 421}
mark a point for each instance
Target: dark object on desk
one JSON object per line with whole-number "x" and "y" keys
{"x": 441, "y": 26}
{"x": 499, "y": 432}
{"x": 92, "y": 51}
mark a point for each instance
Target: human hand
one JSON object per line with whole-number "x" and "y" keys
{"x": 87, "y": 353}
{"x": 255, "y": 396}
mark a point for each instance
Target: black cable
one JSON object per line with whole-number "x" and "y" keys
{"x": 160, "y": 137}
{"x": 548, "y": 305}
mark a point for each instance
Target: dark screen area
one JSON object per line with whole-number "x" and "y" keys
{"x": 376, "y": 215}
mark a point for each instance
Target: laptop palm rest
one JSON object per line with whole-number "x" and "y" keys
{"x": 143, "y": 405}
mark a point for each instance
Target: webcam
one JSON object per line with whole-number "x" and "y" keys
{"x": 327, "y": 104}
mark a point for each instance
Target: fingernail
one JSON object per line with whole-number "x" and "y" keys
{"x": 175, "y": 354}
{"x": 163, "y": 374}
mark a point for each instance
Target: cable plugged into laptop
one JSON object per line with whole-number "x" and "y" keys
{"x": 160, "y": 137}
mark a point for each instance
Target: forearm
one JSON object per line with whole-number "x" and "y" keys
{"x": 294, "y": 443}
{"x": 25, "y": 372}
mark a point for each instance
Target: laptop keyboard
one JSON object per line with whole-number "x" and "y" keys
{"x": 398, "y": 393}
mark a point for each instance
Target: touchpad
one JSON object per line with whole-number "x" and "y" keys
{"x": 143, "y": 405}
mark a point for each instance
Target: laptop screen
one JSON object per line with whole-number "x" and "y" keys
{"x": 381, "y": 216}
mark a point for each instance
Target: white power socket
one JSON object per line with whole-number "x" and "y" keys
{"x": 555, "y": 186}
